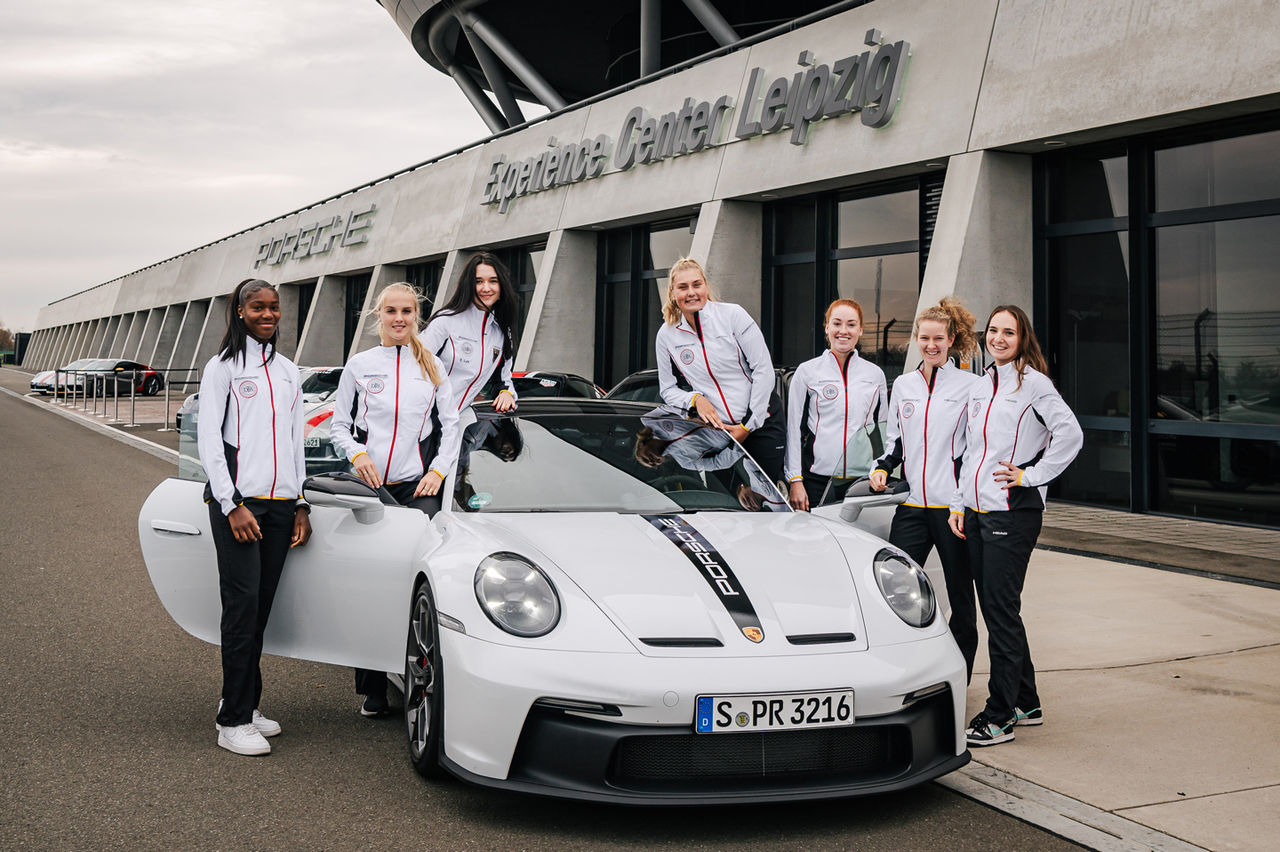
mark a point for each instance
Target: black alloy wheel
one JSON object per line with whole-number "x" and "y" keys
{"x": 151, "y": 386}
{"x": 424, "y": 686}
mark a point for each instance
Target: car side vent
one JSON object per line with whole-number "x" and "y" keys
{"x": 820, "y": 638}
{"x": 684, "y": 642}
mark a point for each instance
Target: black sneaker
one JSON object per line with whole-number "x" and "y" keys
{"x": 1028, "y": 717}
{"x": 375, "y": 706}
{"x": 984, "y": 732}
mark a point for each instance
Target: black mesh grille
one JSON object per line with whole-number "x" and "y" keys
{"x": 838, "y": 753}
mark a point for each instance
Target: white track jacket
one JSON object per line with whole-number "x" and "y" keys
{"x": 925, "y": 432}
{"x": 392, "y": 402}
{"x": 469, "y": 345}
{"x": 826, "y": 405}
{"x": 1030, "y": 426}
{"x": 249, "y": 431}
{"x": 723, "y": 357}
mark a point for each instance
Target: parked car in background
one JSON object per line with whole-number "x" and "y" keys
{"x": 319, "y": 384}
{"x": 44, "y": 381}
{"x": 642, "y": 385}
{"x": 118, "y": 376}
{"x": 542, "y": 383}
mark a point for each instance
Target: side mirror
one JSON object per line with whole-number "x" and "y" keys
{"x": 860, "y": 496}
{"x": 344, "y": 491}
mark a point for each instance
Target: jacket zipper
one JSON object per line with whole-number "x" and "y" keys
{"x": 924, "y": 467}
{"x": 697, "y": 323}
{"x": 844, "y": 452}
{"x": 271, "y": 395}
{"x": 395, "y": 423}
{"x": 484, "y": 324}
{"x": 995, "y": 384}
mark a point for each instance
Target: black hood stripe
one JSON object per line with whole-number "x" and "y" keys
{"x": 713, "y": 568}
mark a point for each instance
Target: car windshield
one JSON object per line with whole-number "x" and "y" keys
{"x": 607, "y": 461}
{"x": 321, "y": 382}
{"x": 79, "y": 365}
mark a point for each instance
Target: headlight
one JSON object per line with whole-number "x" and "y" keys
{"x": 516, "y": 595}
{"x": 906, "y": 588}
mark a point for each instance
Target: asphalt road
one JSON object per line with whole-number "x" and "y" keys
{"x": 107, "y": 731}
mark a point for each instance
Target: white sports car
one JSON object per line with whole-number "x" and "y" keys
{"x": 616, "y": 605}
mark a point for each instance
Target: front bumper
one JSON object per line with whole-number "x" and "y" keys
{"x": 568, "y": 756}
{"x": 497, "y": 734}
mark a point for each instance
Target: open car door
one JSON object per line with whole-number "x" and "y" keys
{"x": 343, "y": 598}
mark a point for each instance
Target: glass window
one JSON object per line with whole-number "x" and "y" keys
{"x": 1225, "y": 171}
{"x": 1221, "y": 478}
{"x": 794, "y": 315}
{"x": 891, "y": 218}
{"x": 1100, "y": 473}
{"x": 425, "y": 278}
{"x": 795, "y": 226}
{"x": 617, "y": 252}
{"x": 1218, "y": 311}
{"x": 888, "y": 288}
{"x": 1090, "y": 277}
{"x": 666, "y": 246}
{"x": 1084, "y": 187}
{"x": 357, "y": 289}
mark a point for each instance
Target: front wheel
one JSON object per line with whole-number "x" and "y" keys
{"x": 151, "y": 386}
{"x": 424, "y": 686}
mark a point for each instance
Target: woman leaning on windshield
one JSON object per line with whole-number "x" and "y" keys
{"x": 831, "y": 399}
{"x": 713, "y": 363}
{"x": 473, "y": 335}
{"x": 925, "y": 434}
{"x": 250, "y": 444}
{"x": 395, "y": 419}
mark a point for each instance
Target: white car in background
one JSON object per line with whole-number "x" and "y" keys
{"x": 593, "y": 619}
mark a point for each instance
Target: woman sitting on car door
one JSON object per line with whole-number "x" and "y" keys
{"x": 395, "y": 419}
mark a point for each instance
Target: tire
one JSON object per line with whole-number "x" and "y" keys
{"x": 151, "y": 386}
{"x": 424, "y": 686}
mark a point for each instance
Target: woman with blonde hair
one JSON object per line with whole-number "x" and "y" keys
{"x": 714, "y": 364}
{"x": 925, "y": 434}
{"x": 831, "y": 398}
{"x": 1021, "y": 436}
{"x": 395, "y": 419}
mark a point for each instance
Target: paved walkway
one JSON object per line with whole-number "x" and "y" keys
{"x": 1160, "y": 688}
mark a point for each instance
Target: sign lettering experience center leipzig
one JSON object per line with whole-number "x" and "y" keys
{"x": 868, "y": 83}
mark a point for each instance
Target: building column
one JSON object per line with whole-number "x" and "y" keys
{"x": 321, "y": 341}
{"x": 981, "y": 249}
{"x": 162, "y": 351}
{"x": 97, "y": 328}
{"x": 109, "y": 337}
{"x": 367, "y": 336}
{"x": 60, "y": 347}
{"x": 150, "y": 334}
{"x": 215, "y": 325}
{"x": 31, "y": 359}
{"x": 130, "y": 330}
{"x": 453, "y": 263}
{"x": 728, "y": 241}
{"x": 184, "y": 348}
{"x": 560, "y": 330}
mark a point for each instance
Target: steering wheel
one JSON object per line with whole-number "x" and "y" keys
{"x": 668, "y": 482}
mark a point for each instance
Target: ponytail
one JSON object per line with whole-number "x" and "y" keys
{"x": 426, "y": 361}
{"x": 670, "y": 310}
{"x": 959, "y": 321}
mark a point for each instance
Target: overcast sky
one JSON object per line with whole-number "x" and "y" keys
{"x": 134, "y": 130}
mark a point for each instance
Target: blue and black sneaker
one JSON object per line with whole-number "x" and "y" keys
{"x": 1028, "y": 717}
{"x": 984, "y": 732}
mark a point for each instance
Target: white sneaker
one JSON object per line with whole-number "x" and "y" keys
{"x": 266, "y": 727}
{"x": 243, "y": 739}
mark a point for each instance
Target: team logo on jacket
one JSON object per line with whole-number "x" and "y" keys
{"x": 830, "y": 391}
{"x": 376, "y": 385}
{"x": 248, "y": 389}
{"x": 908, "y": 409}
{"x": 977, "y": 406}
{"x": 686, "y": 356}
{"x": 466, "y": 347}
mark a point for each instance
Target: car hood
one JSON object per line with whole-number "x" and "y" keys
{"x": 673, "y": 583}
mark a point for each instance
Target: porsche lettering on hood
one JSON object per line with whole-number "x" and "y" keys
{"x": 712, "y": 566}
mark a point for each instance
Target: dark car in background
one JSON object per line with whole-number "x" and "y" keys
{"x": 542, "y": 383}
{"x": 118, "y": 376}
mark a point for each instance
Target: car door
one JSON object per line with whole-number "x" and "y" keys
{"x": 343, "y": 598}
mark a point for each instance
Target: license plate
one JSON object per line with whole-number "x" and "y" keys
{"x": 311, "y": 443}
{"x": 787, "y": 711}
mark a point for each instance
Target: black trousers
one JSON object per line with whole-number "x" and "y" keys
{"x": 815, "y": 485}
{"x": 918, "y": 530}
{"x": 1000, "y": 545}
{"x": 375, "y": 683}
{"x": 768, "y": 444}
{"x": 248, "y": 575}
